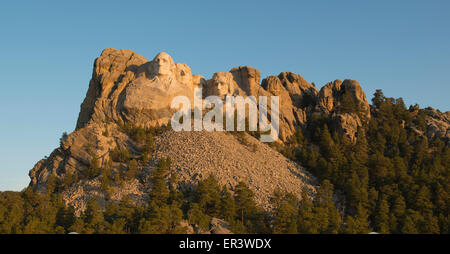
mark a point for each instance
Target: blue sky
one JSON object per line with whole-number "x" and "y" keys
{"x": 47, "y": 49}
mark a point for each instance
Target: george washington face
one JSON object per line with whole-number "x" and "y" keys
{"x": 163, "y": 64}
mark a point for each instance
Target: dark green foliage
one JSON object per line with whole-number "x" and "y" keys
{"x": 132, "y": 170}
{"x": 196, "y": 216}
{"x": 70, "y": 178}
{"x": 207, "y": 196}
{"x": 285, "y": 213}
{"x": 106, "y": 177}
{"x": 118, "y": 155}
{"x": 160, "y": 191}
{"x": 319, "y": 215}
{"x": 307, "y": 216}
{"x": 348, "y": 104}
{"x": 144, "y": 137}
{"x": 93, "y": 218}
{"x": 93, "y": 170}
{"x": 240, "y": 210}
{"x": 52, "y": 184}
{"x": 245, "y": 206}
{"x": 30, "y": 212}
{"x": 250, "y": 216}
{"x": 393, "y": 180}
{"x": 63, "y": 138}
{"x": 382, "y": 218}
{"x": 163, "y": 214}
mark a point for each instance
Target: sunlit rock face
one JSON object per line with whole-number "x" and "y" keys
{"x": 163, "y": 65}
{"x": 147, "y": 101}
{"x": 438, "y": 124}
{"x": 222, "y": 84}
{"x": 248, "y": 79}
{"x": 303, "y": 93}
{"x": 346, "y": 104}
{"x": 127, "y": 87}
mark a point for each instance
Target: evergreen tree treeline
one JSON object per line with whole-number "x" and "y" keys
{"x": 392, "y": 180}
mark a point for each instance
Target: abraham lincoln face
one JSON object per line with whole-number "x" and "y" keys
{"x": 222, "y": 84}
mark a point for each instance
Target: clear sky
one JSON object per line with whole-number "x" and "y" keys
{"x": 47, "y": 49}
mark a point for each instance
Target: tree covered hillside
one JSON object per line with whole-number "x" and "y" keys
{"x": 393, "y": 179}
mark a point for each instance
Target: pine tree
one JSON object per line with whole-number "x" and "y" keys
{"x": 175, "y": 217}
{"x": 207, "y": 196}
{"x": 175, "y": 196}
{"x": 245, "y": 205}
{"x": 326, "y": 143}
{"x": 196, "y": 216}
{"x": 382, "y": 216}
{"x": 378, "y": 98}
{"x": 160, "y": 192}
{"x": 106, "y": 176}
{"x": 329, "y": 219}
{"x": 357, "y": 224}
{"x": 93, "y": 170}
{"x": 63, "y": 138}
{"x": 65, "y": 217}
{"x": 227, "y": 205}
{"x": 348, "y": 104}
{"x": 69, "y": 179}
{"x": 132, "y": 170}
{"x": 422, "y": 201}
{"x": 306, "y": 219}
{"x": 285, "y": 213}
{"x": 93, "y": 217}
{"x": 409, "y": 226}
{"x": 51, "y": 184}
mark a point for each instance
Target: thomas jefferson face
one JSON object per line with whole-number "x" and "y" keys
{"x": 163, "y": 64}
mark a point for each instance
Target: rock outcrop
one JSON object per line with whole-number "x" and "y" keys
{"x": 301, "y": 91}
{"x": 438, "y": 124}
{"x": 296, "y": 95}
{"x": 219, "y": 226}
{"x": 127, "y": 89}
{"x": 346, "y": 104}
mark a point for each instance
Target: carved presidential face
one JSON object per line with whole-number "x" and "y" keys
{"x": 163, "y": 64}
{"x": 184, "y": 74}
{"x": 223, "y": 83}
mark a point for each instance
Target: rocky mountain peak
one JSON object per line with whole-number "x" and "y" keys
{"x": 127, "y": 87}
{"x": 128, "y": 92}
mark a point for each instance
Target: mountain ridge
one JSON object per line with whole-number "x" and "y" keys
{"x": 128, "y": 90}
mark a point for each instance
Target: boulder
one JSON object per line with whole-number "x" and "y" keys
{"x": 438, "y": 124}
{"x": 219, "y": 226}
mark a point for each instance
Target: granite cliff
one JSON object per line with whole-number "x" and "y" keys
{"x": 127, "y": 90}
